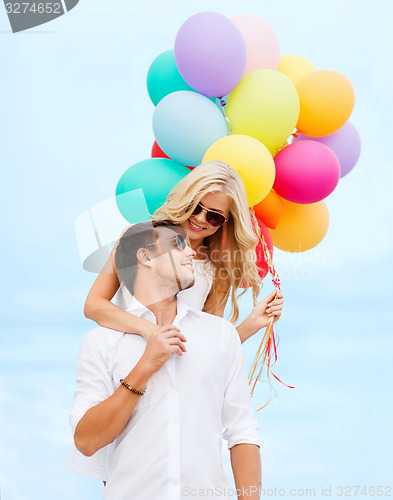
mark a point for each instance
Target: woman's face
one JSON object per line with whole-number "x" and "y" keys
{"x": 197, "y": 226}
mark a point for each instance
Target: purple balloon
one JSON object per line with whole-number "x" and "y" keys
{"x": 210, "y": 54}
{"x": 345, "y": 143}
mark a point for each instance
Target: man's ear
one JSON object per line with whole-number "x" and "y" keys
{"x": 142, "y": 256}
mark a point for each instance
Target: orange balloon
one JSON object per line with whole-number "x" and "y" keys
{"x": 327, "y": 99}
{"x": 270, "y": 209}
{"x": 301, "y": 227}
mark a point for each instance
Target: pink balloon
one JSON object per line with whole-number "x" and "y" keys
{"x": 306, "y": 172}
{"x": 263, "y": 48}
{"x": 345, "y": 143}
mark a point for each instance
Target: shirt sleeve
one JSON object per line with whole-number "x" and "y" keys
{"x": 237, "y": 413}
{"x": 94, "y": 466}
{"x": 94, "y": 384}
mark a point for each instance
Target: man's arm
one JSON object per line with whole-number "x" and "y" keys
{"x": 103, "y": 422}
{"x": 238, "y": 419}
{"x": 246, "y": 467}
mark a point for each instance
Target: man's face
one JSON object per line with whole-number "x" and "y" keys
{"x": 171, "y": 258}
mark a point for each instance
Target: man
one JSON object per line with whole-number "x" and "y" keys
{"x": 164, "y": 403}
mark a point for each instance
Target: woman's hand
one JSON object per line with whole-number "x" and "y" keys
{"x": 267, "y": 308}
{"x": 149, "y": 328}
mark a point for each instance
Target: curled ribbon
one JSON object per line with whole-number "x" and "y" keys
{"x": 267, "y": 351}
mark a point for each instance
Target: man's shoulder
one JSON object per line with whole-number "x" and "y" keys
{"x": 212, "y": 322}
{"x": 101, "y": 336}
{"x": 210, "y": 318}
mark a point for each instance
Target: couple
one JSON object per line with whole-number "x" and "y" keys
{"x": 168, "y": 439}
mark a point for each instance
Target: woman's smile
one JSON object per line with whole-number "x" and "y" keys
{"x": 195, "y": 227}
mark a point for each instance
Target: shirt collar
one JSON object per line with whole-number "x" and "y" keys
{"x": 137, "y": 308}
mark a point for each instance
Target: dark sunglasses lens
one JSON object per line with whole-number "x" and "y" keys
{"x": 215, "y": 219}
{"x": 181, "y": 242}
{"x": 197, "y": 210}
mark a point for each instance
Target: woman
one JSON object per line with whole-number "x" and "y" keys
{"x": 210, "y": 203}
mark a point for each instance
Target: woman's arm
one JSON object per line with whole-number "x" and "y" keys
{"x": 260, "y": 315}
{"x": 99, "y": 308}
{"x": 258, "y": 318}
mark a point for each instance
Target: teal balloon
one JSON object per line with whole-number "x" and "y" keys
{"x": 135, "y": 204}
{"x": 163, "y": 77}
{"x": 156, "y": 177}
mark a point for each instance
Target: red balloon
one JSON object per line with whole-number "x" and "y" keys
{"x": 263, "y": 267}
{"x": 157, "y": 152}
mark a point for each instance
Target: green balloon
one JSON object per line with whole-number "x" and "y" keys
{"x": 156, "y": 177}
{"x": 163, "y": 77}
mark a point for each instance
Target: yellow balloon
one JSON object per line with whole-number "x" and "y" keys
{"x": 264, "y": 105}
{"x": 301, "y": 227}
{"x": 295, "y": 67}
{"x": 327, "y": 99}
{"x": 251, "y": 159}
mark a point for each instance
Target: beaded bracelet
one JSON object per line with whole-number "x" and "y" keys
{"x": 135, "y": 391}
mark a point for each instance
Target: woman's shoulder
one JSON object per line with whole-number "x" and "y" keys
{"x": 200, "y": 261}
{"x": 203, "y": 265}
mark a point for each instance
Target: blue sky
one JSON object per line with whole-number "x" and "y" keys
{"x": 75, "y": 116}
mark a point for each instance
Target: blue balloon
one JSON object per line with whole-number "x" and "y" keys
{"x": 186, "y": 124}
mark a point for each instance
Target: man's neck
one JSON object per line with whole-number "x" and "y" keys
{"x": 164, "y": 309}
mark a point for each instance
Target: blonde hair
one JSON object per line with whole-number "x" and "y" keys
{"x": 236, "y": 238}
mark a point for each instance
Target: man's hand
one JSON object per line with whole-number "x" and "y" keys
{"x": 162, "y": 343}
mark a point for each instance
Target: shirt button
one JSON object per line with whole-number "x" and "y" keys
{"x": 174, "y": 481}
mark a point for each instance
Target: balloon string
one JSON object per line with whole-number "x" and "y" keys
{"x": 267, "y": 350}
{"x": 228, "y": 123}
{"x": 264, "y": 352}
{"x": 257, "y": 357}
{"x": 290, "y": 386}
{"x": 280, "y": 148}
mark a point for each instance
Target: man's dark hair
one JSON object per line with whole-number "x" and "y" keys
{"x": 135, "y": 237}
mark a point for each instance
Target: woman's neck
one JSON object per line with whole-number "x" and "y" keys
{"x": 200, "y": 248}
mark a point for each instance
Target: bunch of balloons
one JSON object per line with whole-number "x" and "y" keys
{"x": 225, "y": 93}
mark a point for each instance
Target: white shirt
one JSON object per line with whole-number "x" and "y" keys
{"x": 172, "y": 442}
{"x": 195, "y": 298}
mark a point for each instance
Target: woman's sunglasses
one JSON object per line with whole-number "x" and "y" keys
{"x": 214, "y": 219}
